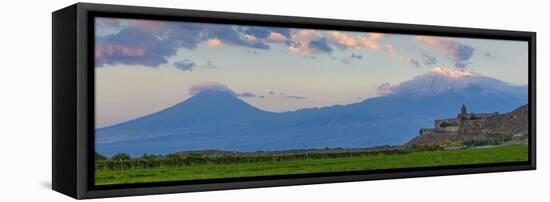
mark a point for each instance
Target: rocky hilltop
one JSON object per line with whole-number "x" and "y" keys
{"x": 476, "y": 129}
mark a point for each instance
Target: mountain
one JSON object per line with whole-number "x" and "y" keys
{"x": 441, "y": 80}
{"x": 207, "y": 110}
{"x": 217, "y": 119}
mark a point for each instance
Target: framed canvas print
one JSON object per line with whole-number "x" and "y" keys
{"x": 154, "y": 100}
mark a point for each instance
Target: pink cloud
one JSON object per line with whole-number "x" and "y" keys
{"x": 105, "y": 52}
{"x": 277, "y": 37}
{"x": 457, "y": 52}
{"x": 112, "y": 49}
{"x": 300, "y": 42}
{"x": 151, "y": 26}
{"x": 392, "y": 52}
{"x": 446, "y": 44}
{"x": 349, "y": 41}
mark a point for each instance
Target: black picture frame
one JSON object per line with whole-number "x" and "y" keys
{"x": 73, "y": 99}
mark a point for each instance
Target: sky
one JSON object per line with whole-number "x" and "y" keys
{"x": 144, "y": 66}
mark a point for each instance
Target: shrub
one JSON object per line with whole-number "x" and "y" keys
{"x": 99, "y": 157}
{"x": 121, "y": 157}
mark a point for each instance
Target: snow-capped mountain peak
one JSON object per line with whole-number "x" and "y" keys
{"x": 442, "y": 79}
{"x": 452, "y": 72}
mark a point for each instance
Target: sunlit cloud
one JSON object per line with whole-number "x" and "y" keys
{"x": 214, "y": 42}
{"x": 151, "y": 26}
{"x": 277, "y": 37}
{"x": 132, "y": 46}
{"x": 300, "y": 42}
{"x": 343, "y": 40}
{"x": 150, "y": 42}
{"x": 249, "y": 37}
{"x": 392, "y": 52}
{"x": 459, "y": 53}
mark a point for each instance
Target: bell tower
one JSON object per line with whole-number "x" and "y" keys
{"x": 463, "y": 110}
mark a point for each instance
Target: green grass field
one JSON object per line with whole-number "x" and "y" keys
{"x": 416, "y": 159}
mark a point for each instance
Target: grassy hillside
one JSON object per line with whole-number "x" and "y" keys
{"x": 354, "y": 163}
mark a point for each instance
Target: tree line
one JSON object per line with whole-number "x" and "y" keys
{"x": 122, "y": 161}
